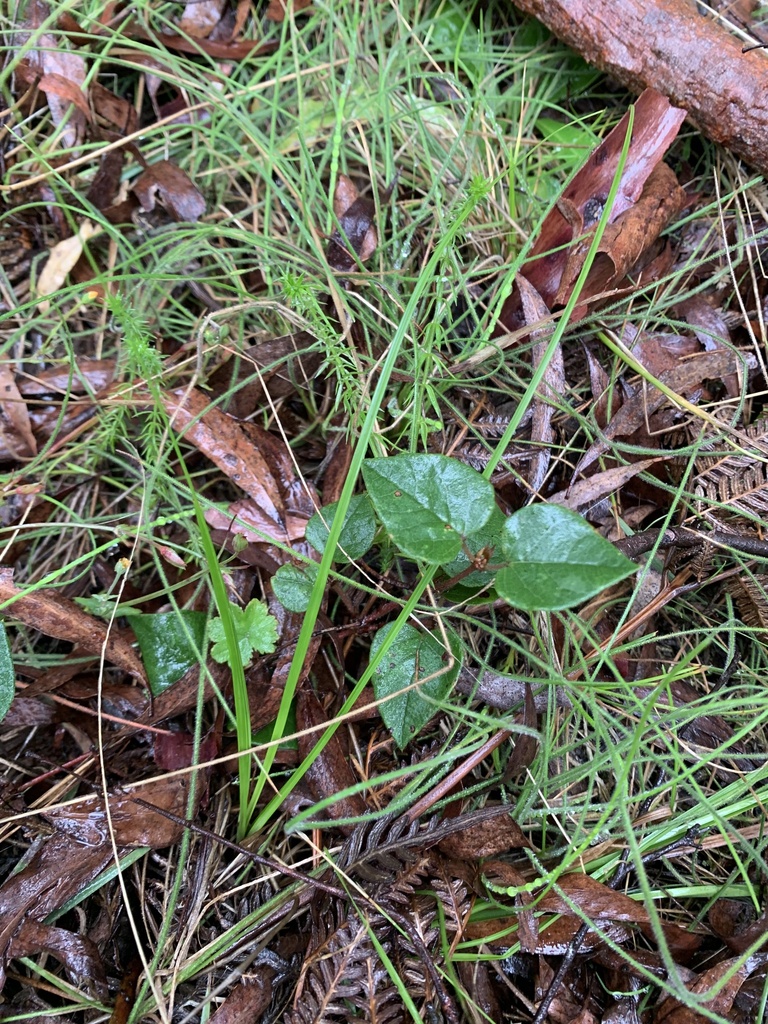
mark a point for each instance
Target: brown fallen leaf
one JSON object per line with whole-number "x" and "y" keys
{"x": 331, "y": 771}
{"x": 173, "y": 188}
{"x": 356, "y": 215}
{"x": 485, "y": 839}
{"x": 624, "y": 240}
{"x": 200, "y": 17}
{"x": 16, "y": 438}
{"x": 655, "y": 126}
{"x": 70, "y": 859}
{"x": 276, "y": 9}
{"x": 90, "y": 375}
{"x": 670, "y": 1011}
{"x": 736, "y": 923}
{"x": 684, "y": 378}
{"x": 602, "y": 903}
{"x": 276, "y": 367}
{"x": 553, "y": 386}
{"x": 57, "y": 616}
{"x": 526, "y": 745}
{"x": 112, "y": 111}
{"x": 57, "y": 71}
{"x": 658, "y": 352}
{"x": 590, "y": 490}
{"x": 226, "y": 443}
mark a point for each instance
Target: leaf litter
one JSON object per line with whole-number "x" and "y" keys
{"x": 511, "y": 732}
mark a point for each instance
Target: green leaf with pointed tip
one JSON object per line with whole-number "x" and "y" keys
{"x": 428, "y": 503}
{"x": 556, "y": 560}
{"x": 7, "y": 675}
{"x": 167, "y": 641}
{"x": 414, "y": 654}
{"x": 357, "y": 533}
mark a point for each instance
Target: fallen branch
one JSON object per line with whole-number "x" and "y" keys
{"x": 671, "y": 46}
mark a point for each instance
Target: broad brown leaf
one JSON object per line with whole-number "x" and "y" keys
{"x": 331, "y": 771}
{"x": 57, "y": 616}
{"x": 165, "y": 182}
{"x": 670, "y": 1011}
{"x": 16, "y": 438}
{"x": 356, "y": 215}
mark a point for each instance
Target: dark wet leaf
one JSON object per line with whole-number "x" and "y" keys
{"x": 485, "y": 839}
{"x": 670, "y": 1011}
{"x": 176, "y": 750}
{"x": 736, "y": 923}
{"x": 331, "y": 771}
{"x": 357, "y": 236}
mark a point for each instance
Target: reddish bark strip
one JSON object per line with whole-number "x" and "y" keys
{"x": 672, "y": 47}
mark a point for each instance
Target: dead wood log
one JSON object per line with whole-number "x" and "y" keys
{"x": 671, "y": 46}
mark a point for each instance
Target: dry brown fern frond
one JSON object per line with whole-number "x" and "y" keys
{"x": 751, "y": 597}
{"x": 732, "y": 485}
{"x": 343, "y": 972}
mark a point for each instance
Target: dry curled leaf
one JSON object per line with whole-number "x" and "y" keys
{"x": 356, "y": 215}
{"x": 167, "y": 184}
{"x": 16, "y": 438}
{"x": 61, "y": 259}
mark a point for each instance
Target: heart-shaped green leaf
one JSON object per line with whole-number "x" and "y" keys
{"x": 414, "y": 654}
{"x": 293, "y": 586}
{"x": 556, "y": 560}
{"x": 357, "y": 533}
{"x": 428, "y": 503}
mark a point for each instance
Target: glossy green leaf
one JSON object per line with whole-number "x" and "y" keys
{"x": 556, "y": 560}
{"x": 414, "y": 654}
{"x": 489, "y": 537}
{"x": 7, "y": 675}
{"x": 428, "y": 503}
{"x": 165, "y": 645}
{"x": 292, "y": 586}
{"x": 357, "y": 533}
